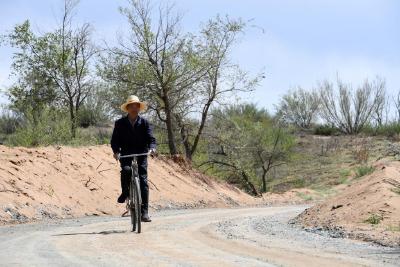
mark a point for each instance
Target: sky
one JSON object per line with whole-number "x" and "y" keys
{"x": 294, "y": 42}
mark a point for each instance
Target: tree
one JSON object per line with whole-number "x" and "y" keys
{"x": 396, "y": 100}
{"x": 350, "y": 110}
{"x": 221, "y": 81}
{"x": 272, "y": 148}
{"x": 164, "y": 63}
{"x": 299, "y": 107}
{"x": 246, "y": 143}
{"x": 180, "y": 75}
{"x": 381, "y": 108}
{"x": 31, "y": 94}
{"x": 62, "y": 57}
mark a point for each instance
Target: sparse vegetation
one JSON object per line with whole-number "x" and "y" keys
{"x": 363, "y": 170}
{"x": 326, "y": 130}
{"x": 350, "y": 110}
{"x": 304, "y": 196}
{"x": 394, "y": 228}
{"x": 344, "y": 176}
{"x": 299, "y": 107}
{"x": 374, "y": 219}
{"x": 396, "y": 190}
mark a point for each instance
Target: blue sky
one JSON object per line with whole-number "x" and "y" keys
{"x": 302, "y": 42}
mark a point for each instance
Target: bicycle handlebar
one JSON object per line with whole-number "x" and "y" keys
{"x": 134, "y": 155}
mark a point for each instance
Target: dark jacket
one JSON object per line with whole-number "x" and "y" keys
{"x": 131, "y": 140}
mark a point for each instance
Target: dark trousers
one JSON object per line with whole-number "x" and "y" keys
{"x": 126, "y": 172}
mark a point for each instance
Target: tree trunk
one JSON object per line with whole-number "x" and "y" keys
{"x": 170, "y": 128}
{"x": 73, "y": 119}
{"x": 251, "y": 186}
{"x": 264, "y": 181}
{"x": 185, "y": 141}
{"x": 201, "y": 127}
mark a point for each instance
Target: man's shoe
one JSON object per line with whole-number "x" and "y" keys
{"x": 146, "y": 218}
{"x": 122, "y": 198}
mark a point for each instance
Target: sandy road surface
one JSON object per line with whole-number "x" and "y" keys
{"x": 208, "y": 237}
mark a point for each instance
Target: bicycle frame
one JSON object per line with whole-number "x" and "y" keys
{"x": 133, "y": 204}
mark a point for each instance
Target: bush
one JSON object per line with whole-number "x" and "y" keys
{"x": 53, "y": 127}
{"x": 350, "y": 110}
{"x": 298, "y": 183}
{"x": 388, "y": 130}
{"x": 8, "y": 123}
{"x": 364, "y": 170}
{"x": 298, "y": 107}
{"x": 91, "y": 116}
{"x": 343, "y": 176}
{"x": 93, "y": 136}
{"x": 326, "y": 130}
{"x": 374, "y": 219}
{"x": 396, "y": 190}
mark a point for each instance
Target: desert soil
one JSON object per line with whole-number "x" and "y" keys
{"x": 367, "y": 209}
{"x": 67, "y": 182}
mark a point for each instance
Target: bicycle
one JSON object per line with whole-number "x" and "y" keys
{"x": 134, "y": 201}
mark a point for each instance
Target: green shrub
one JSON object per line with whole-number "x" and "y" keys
{"x": 8, "y": 123}
{"x": 374, "y": 219}
{"x": 389, "y": 130}
{"x": 343, "y": 176}
{"x": 363, "y": 170}
{"x": 52, "y": 127}
{"x": 92, "y": 136}
{"x": 396, "y": 190}
{"x": 326, "y": 130}
{"x": 298, "y": 183}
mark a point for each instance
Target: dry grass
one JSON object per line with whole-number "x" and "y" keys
{"x": 323, "y": 162}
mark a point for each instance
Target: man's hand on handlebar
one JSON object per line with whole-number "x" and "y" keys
{"x": 152, "y": 152}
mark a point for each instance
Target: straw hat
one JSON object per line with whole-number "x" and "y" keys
{"x": 133, "y": 99}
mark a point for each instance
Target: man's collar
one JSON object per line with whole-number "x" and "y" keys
{"x": 137, "y": 121}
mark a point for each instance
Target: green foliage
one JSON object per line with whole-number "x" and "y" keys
{"x": 52, "y": 68}
{"x": 298, "y": 183}
{"x": 344, "y": 175}
{"x": 246, "y": 144}
{"x": 326, "y": 130}
{"x": 51, "y": 127}
{"x": 9, "y": 123}
{"x": 92, "y": 136}
{"x": 304, "y": 196}
{"x": 298, "y": 107}
{"x": 363, "y": 170}
{"x": 391, "y": 130}
{"x": 374, "y": 219}
{"x": 396, "y": 190}
{"x": 95, "y": 110}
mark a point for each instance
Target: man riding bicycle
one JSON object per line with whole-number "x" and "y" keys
{"x": 132, "y": 134}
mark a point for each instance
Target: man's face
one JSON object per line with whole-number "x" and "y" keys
{"x": 133, "y": 108}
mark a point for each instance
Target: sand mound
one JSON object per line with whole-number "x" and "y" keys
{"x": 61, "y": 182}
{"x": 368, "y": 209}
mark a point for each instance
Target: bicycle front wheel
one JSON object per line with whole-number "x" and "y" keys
{"x": 138, "y": 204}
{"x": 132, "y": 203}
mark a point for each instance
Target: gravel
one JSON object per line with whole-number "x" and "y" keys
{"x": 258, "y": 229}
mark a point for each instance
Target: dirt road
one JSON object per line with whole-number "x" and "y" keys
{"x": 207, "y": 237}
